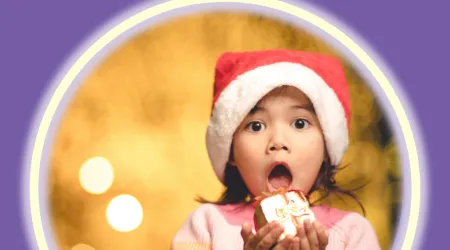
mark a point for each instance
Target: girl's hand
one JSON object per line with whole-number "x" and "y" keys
{"x": 266, "y": 238}
{"x": 313, "y": 236}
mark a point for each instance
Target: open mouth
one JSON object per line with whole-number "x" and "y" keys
{"x": 279, "y": 177}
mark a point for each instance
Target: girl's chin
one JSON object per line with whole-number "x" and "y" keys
{"x": 270, "y": 188}
{"x": 273, "y": 189}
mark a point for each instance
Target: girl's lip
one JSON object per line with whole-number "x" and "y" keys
{"x": 276, "y": 163}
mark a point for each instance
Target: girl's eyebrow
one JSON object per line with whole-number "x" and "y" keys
{"x": 256, "y": 109}
{"x": 307, "y": 107}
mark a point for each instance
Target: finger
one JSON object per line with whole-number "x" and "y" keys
{"x": 246, "y": 231}
{"x": 311, "y": 235}
{"x": 254, "y": 239}
{"x": 270, "y": 238}
{"x": 322, "y": 235}
{"x": 295, "y": 245}
{"x": 251, "y": 242}
{"x": 285, "y": 244}
{"x": 248, "y": 236}
{"x": 301, "y": 233}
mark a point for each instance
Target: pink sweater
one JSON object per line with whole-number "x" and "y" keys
{"x": 219, "y": 228}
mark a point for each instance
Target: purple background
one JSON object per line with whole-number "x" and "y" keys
{"x": 36, "y": 39}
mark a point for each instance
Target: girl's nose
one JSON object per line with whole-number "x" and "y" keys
{"x": 277, "y": 147}
{"x": 278, "y": 142}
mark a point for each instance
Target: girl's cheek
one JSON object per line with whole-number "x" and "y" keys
{"x": 313, "y": 139}
{"x": 251, "y": 140}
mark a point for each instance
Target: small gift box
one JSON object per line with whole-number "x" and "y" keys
{"x": 289, "y": 208}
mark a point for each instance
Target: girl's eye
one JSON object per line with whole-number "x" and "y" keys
{"x": 255, "y": 126}
{"x": 300, "y": 124}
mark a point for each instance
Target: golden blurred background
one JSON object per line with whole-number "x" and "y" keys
{"x": 145, "y": 109}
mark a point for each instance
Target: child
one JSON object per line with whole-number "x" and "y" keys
{"x": 280, "y": 119}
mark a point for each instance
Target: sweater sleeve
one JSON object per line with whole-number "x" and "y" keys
{"x": 361, "y": 234}
{"x": 194, "y": 233}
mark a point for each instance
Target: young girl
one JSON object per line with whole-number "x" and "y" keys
{"x": 280, "y": 119}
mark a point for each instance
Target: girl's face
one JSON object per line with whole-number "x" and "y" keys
{"x": 279, "y": 143}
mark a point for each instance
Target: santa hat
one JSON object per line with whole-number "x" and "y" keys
{"x": 243, "y": 78}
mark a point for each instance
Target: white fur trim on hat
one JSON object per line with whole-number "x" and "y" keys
{"x": 241, "y": 95}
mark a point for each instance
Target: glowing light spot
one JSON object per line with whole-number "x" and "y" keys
{"x": 96, "y": 175}
{"x": 124, "y": 213}
{"x": 81, "y": 246}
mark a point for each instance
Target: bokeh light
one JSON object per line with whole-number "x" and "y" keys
{"x": 82, "y": 246}
{"x": 124, "y": 213}
{"x": 96, "y": 175}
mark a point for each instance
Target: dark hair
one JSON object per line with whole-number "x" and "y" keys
{"x": 236, "y": 192}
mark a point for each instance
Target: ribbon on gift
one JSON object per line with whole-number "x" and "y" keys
{"x": 292, "y": 209}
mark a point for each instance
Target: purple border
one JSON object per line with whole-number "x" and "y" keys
{"x": 39, "y": 37}
{"x": 210, "y": 7}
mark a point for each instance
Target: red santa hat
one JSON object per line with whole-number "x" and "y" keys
{"x": 243, "y": 78}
